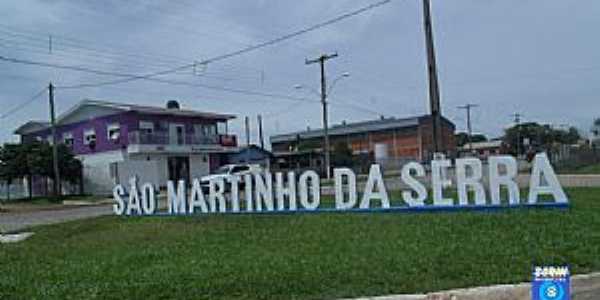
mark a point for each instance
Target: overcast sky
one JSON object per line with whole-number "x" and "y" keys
{"x": 540, "y": 58}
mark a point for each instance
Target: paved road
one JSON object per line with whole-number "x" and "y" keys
{"x": 10, "y": 222}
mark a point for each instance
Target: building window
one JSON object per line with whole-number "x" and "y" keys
{"x": 198, "y": 129}
{"x": 205, "y": 129}
{"x": 89, "y": 137}
{"x": 146, "y": 127}
{"x": 211, "y": 129}
{"x": 114, "y": 132}
{"x": 68, "y": 139}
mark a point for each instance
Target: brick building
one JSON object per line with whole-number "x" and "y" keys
{"x": 388, "y": 140}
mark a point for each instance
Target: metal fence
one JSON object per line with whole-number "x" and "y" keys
{"x": 14, "y": 191}
{"x": 568, "y": 160}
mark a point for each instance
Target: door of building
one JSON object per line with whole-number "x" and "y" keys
{"x": 176, "y": 134}
{"x": 179, "y": 168}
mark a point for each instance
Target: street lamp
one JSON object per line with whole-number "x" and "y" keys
{"x": 308, "y": 88}
{"x": 323, "y": 94}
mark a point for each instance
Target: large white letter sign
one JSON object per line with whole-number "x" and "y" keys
{"x": 439, "y": 181}
{"x": 414, "y": 184}
{"x": 315, "y": 190}
{"x": 118, "y": 193}
{"x": 197, "y": 198}
{"x": 248, "y": 192}
{"x": 216, "y": 188}
{"x": 543, "y": 169}
{"x": 264, "y": 194}
{"x": 375, "y": 179}
{"x": 235, "y": 199}
{"x": 134, "y": 204}
{"x": 339, "y": 174}
{"x": 463, "y": 181}
{"x": 176, "y": 198}
{"x": 283, "y": 192}
{"x": 148, "y": 200}
{"x": 264, "y": 191}
{"x": 497, "y": 180}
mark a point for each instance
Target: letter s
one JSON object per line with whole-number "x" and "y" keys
{"x": 119, "y": 206}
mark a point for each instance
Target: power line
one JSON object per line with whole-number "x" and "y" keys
{"x": 246, "y": 49}
{"x": 174, "y": 82}
{"x": 24, "y": 104}
{"x": 98, "y": 59}
{"x": 103, "y": 50}
{"x": 357, "y": 108}
{"x": 166, "y": 81}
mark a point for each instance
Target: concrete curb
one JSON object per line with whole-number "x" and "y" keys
{"x": 14, "y": 238}
{"x": 583, "y": 287}
{"x": 87, "y": 203}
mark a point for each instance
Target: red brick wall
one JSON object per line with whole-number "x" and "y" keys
{"x": 405, "y": 143}
{"x": 448, "y": 145}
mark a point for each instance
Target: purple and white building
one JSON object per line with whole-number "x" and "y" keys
{"x": 116, "y": 141}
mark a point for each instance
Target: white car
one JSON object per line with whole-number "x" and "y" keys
{"x": 228, "y": 171}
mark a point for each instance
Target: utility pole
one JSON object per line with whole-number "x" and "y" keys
{"x": 260, "y": 132}
{"x": 468, "y": 107}
{"x": 517, "y": 117}
{"x": 56, "y": 183}
{"x": 434, "y": 91}
{"x": 247, "y": 122}
{"x": 321, "y": 60}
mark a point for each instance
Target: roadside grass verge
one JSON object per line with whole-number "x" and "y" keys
{"x": 299, "y": 256}
{"x": 45, "y": 200}
{"x": 589, "y": 169}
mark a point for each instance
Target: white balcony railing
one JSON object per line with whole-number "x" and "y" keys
{"x": 164, "y": 138}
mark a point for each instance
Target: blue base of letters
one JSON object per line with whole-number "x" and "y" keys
{"x": 402, "y": 209}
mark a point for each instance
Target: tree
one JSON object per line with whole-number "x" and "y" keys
{"x": 342, "y": 155}
{"x": 13, "y": 164}
{"x": 35, "y": 158}
{"x": 40, "y": 162}
{"x": 539, "y": 137}
{"x": 462, "y": 138}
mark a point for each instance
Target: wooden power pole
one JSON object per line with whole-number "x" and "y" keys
{"x": 468, "y": 107}
{"x": 260, "y": 132}
{"x": 247, "y": 127}
{"x": 321, "y": 60}
{"x": 56, "y": 182}
{"x": 434, "y": 90}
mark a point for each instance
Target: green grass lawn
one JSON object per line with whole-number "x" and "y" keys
{"x": 297, "y": 256}
{"x": 590, "y": 169}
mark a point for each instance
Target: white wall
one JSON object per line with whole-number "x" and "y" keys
{"x": 96, "y": 171}
{"x": 151, "y": 168}
{"x": 146, "y": 171}
{"x": 199, "y": 165}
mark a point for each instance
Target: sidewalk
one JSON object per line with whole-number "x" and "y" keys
{"x": 583, "y": 287}
{"x": 11, "y": 222}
